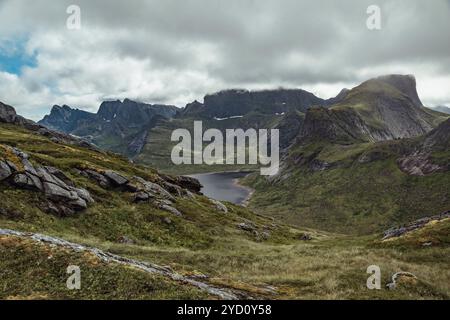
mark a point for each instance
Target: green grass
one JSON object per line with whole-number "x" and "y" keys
{"x": 157, "y": 151}
{"x": 351, "y": 197}
{"x": 34, "y": 271}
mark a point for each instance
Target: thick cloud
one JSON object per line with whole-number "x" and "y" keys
{"x": 171, "y": 51}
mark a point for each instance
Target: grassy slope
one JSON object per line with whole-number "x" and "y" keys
{"x": 158, "y": 148}
{"x": 352, "y": 197}
{"x": 203, "y": 241}
{"x": 114, "y": 214}
{"x": 44, "y": 269}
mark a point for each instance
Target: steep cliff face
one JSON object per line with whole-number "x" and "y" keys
{"x": 379, "y": 109}
{"x": 133, "y": 113}
{"x": 66, "y": 119}
{"x": 7, "y": 113}
{"x": 117, "y": 126}
{"x": 231, "y": 103}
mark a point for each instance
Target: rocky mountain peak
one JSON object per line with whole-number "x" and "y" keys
{"x": 238, "y": 102}
{"x": 383, "y": 108}
{"x": 406, "y": 84}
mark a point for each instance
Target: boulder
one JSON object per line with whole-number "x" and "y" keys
{"x": 305, "y": 237}
{"x": 170, "y": 209}
{"x": 247, "y": 226}
{"x": 60, "y": 175}
{"x": 56, "y": 192}
{"x": 24, "y": 181}
{"x": 5, "y": 171}
{"x": 186, "y": 183}
{"x": 115, "y": 178}
{"x": 84, "y": 194}
{"x": 152, "y": 188}
{"x": 12, "y": 165}
{"x": 78, "y": 204}
{"x": 94, "y": 175}
{"x": 125, "y": 240}
{"x": 28, "y": 167}
{"x": 219, "y": 205}
{"x": 174, "y": 189}
{"x": 141, "y": 196}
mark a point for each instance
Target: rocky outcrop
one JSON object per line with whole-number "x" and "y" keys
{"x": 184, "y": 182}
{"x": 160, "y": 196}
{"x": 420, "y": 161}
{"x": 418, "y": 164}
{"x": 399, "y": 231}
{"x": 289, "y": 126}
{"x": 7, "y": 113}
{"x": 439, "y": 138}
{"x": 137, "y": 144}
{"x": 61, "y": 195}
{"x": 151, "y": 189}
{"x": 400, "y": 277}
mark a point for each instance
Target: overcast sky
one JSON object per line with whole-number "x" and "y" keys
{"x": 174, "y": 52}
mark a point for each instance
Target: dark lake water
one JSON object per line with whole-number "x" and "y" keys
{"x": 223, "y": 186}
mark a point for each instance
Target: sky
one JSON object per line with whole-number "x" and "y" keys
{"x": 174, "y": 52}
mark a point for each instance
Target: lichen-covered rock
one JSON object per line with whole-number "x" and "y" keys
{"x": 186, "y": 183}
{"x": 399, "y": 231}
{"x": 152, "y": 188}
{"x": 418, "y": 164}
{"x": 141, "y": 196}
{"x": 170, "y": 209}
{"x": 125, "y": 240}
{"x": 174, "y": 189}
{"x": 219, "y": 205}
{"x": 116, "y": 178}
{"x": 99, "y": 178}
{"x": 27, "y": 181}
{"x": 5, "y": 171}
{"x": 247, "y": 226}
{"x": 63, "y": 198}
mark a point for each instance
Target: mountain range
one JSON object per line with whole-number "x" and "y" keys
{"x": 120, "y": 126}
{"x": 379, "y": 109}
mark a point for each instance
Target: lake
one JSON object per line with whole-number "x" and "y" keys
{"x": 223, "y": 186}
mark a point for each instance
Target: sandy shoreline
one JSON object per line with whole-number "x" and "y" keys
{"x": 251, "y": 191}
